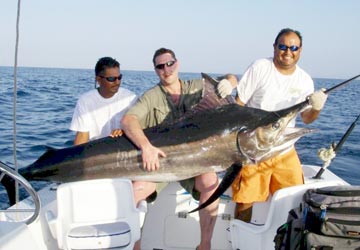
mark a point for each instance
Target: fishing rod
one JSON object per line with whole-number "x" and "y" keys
{"x": 340, "y": 84}
{"x": 336, "y": 148}
{"x": 327, "y": 91}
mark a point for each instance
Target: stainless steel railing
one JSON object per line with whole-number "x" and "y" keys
{"x": 5, "y": 170}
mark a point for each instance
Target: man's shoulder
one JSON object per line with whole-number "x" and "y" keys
{"x": 192, "y": 84}
{"x": 123, "y": 92}
{"x": 262, "y": 62}
{"x": 302, "y": 71}
{"x": 154, "y": 90}
{"x": 88, "y": 95}
{"x": 191, "y": 81}
{"x": 261, "y": 68}
{"x": 303, "y": 75}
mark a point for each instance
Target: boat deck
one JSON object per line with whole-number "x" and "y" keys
{"x": 167, "y": 224}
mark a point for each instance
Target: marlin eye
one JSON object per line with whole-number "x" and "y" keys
{"x": 276, "y": 125}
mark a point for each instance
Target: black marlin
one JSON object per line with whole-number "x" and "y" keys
{"x": 217, "y": 134}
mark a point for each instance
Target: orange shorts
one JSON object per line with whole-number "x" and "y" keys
{"x": 255, "y": 182}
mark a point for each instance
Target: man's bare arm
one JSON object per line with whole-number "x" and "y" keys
{"x": 150, "y": 154}
{"x": 81, "y": 137}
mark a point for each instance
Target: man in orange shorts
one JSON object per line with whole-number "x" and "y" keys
{"x": 273, "y": 84}
{"x": 264, "y": 178}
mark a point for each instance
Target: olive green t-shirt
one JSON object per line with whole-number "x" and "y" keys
{"x": 155, "y": 105}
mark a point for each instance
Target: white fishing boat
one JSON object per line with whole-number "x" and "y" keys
{"x": 100, "y": 214}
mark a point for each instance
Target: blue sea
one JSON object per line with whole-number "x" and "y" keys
{"x": 46, "y": 98}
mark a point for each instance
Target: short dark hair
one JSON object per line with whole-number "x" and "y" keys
{"x": 161, "y": 51}
{"x": 105, "y": 63}
{"x": 287, "y": 31}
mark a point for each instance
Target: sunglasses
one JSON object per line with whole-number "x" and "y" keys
{"x": 167, "y": 64}
{"x": 293, "y": 48}
{"x": 112, "y": 78}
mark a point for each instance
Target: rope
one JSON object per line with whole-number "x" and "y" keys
{"x": 15, "y": 94}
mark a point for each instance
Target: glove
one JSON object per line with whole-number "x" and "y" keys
{"x": 318, "y": 99}
{"x": 224, "y": 88}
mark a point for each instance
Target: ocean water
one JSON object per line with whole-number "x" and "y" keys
{"x": 46, "y": 98}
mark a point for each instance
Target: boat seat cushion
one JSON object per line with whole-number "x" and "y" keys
{"x": 100, "y": 236}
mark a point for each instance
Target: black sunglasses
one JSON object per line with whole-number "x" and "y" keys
{"x": 292, "y": 48}
{"x": 112, "y": 78}
{"x": 168, "y": 64}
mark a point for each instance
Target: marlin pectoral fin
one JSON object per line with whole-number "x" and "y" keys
{"x": 227, "y": 180}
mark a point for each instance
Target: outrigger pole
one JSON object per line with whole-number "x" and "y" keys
{"x": 336, "y": 148}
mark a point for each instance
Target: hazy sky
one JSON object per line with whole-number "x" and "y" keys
{"x": 213, "y": 36}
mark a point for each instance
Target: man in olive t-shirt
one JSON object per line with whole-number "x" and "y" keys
{"x": 166, "y": 102}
